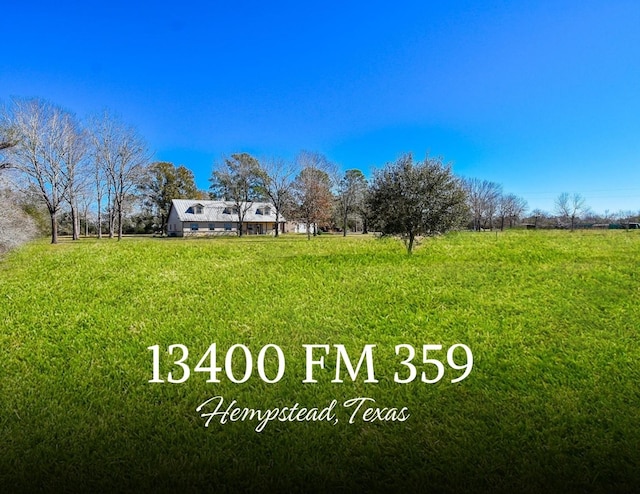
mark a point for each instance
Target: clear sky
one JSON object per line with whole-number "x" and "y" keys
{"x": 540, "y": 96}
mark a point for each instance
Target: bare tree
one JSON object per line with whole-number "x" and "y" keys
{"x": 46, "y": 151}
{"x": 483, "y": 199}
{"x": 120, "y": 156}
{"x": 277, "y": 176}
{"x": 100, "y": 155}
{"x": 570, "y": 207}
{"x": 510, "y": 207}
{"x": 537, "y": 215}
{"x": 85, "y": 200}
{"x": 73, "y": 151}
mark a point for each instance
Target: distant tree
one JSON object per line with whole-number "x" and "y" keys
{"x": 350, "y": 195}
{"x": 626, "y": 217}
{"x": 311, "y": 191}
{"x": 75, "y": 149}
{"x": 537, "y": 215}
{"x": 120, "y": 155}
{"x": 277, "y": 184}
{"x": 412, "y": 199}
{"x": 85, "y": 201}
{"x": 364, "y": 212}
{"x": 164, "y": 182}
{"x": 510, "y": 207}
{"x": 570, "y": 207}
{"x": 483, "y": 197}
{"x": 238, "y": 179}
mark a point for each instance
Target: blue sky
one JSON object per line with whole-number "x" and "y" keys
{"x": 540, "y": 96}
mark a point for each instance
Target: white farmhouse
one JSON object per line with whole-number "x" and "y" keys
{"x": 188, "y": 217}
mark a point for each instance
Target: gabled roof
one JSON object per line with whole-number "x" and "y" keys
{"x": 214, "y": 211}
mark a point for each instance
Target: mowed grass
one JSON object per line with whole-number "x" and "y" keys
{"x": 552, "y": 402}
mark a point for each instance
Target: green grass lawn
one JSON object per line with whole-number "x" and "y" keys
{"x": 552, "y": 402}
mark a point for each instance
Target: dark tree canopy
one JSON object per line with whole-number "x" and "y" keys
{"x": 412, "y": 199}
{"x": 238, "y": 179}
{"x": 165, "y": 182}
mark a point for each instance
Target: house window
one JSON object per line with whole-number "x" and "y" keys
{"x": 198, "y": 209}
{"x": 212, "y": 226}
{"x": 194, "y": 227}
{"x": 267, "y": 210}
{"x": 258, "y": 211}
{"x": 227, "y": 227}
{"x": 226, "y": 211}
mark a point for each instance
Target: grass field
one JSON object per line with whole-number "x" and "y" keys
{"x": 552, "y": 402}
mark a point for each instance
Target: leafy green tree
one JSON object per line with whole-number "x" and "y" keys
{"x": 412, "y": 199}
{"x": 164, "y": 182}
{"x": 238, "y": 179}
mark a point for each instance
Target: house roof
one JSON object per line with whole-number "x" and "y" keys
{"x": 214, "y": 211}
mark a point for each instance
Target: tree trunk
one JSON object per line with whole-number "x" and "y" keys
{"x": 410, "y": 244}
{"x": 308, "y": 231}
{"x": 344, "y": 226}
{"x": 99, "y": 225}
{"x": 111, "y": 221}
{"x": 54, "y": 227}
{"x": 277, "y": 222}
{"x": 120, "y": 223}
{"x": 75, "y": 222}
{"x": 110, "y": 214}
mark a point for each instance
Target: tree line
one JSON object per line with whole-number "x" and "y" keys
{"x": 71, "y": 164}
{"x": 407, "y": 198}
{"x": 100, "y": 167}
